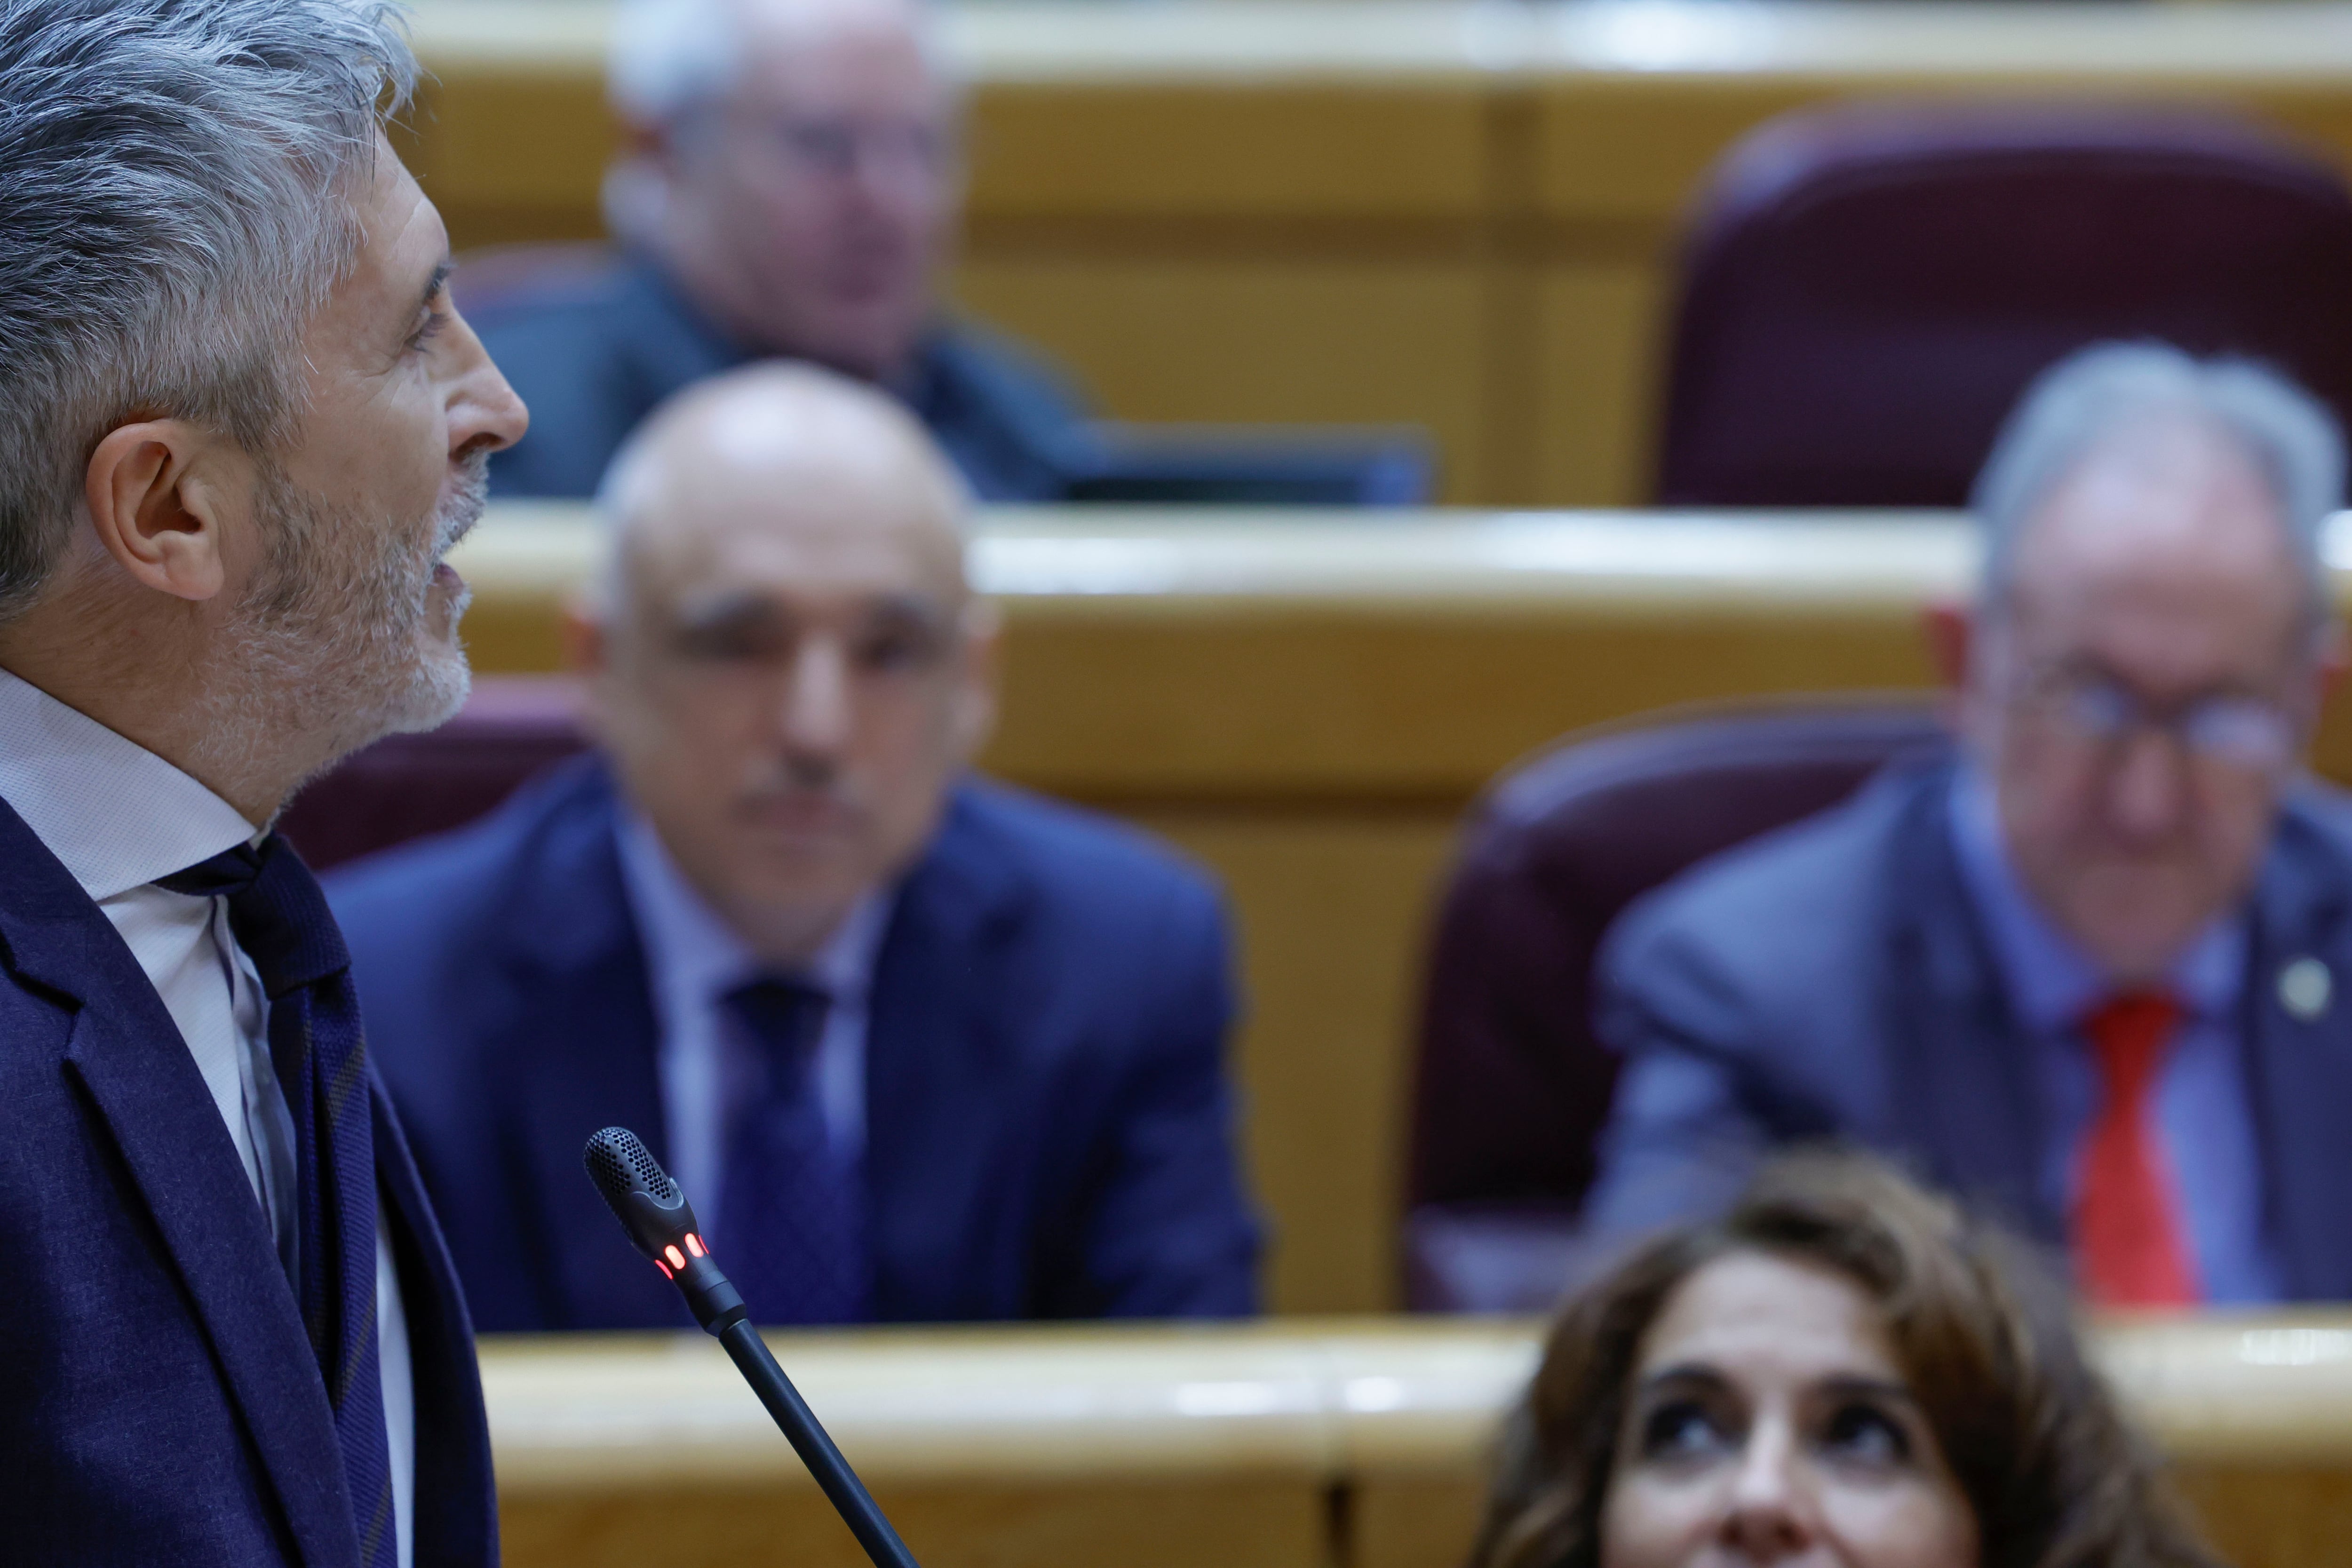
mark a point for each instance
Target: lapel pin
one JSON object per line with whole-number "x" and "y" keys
{"x": 2305, "y": 990}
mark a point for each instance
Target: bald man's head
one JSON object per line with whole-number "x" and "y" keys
{"x": 788, "y": 451}
{"x": 789, "y": 666}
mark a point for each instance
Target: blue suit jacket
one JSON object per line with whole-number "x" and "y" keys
{"x": 1830, "y": 982}
{"x": 593, "y": 358}
{"x": 1049, "y": 1133}
{"x": 159, "y": 1402}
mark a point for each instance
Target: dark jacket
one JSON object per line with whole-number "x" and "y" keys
{"x": 158, "y": 1401}
{"x": 1049, "y": 1133}
{"x": 1832, "y": 981}
{"x": 592, "y": 357}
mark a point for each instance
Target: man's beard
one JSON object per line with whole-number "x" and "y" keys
{"x": 328, "y": 650}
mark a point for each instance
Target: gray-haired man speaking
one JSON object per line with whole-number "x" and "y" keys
{"x": 2091, "y": 970}
{"x": 240, "y": 427}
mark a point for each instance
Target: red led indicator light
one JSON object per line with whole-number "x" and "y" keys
{"x": 694, "y": 1244}
{"x": 676, "y": 1259}
{"x": 665, "y": 1268}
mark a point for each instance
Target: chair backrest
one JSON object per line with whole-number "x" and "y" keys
{"x": 407, "y": 786}
{"x": 1512, "y": 1088}
{"x": 1866, "y": 289}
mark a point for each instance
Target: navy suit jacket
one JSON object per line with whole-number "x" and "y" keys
{"x": 1831, "y": 983}
{"x": 592, "y": 358}
{"x": 1049, "y": 1132}
{"x": 158, "y": 1401}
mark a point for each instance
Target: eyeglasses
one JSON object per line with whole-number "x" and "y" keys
{"x": 2230, "y": 728}
{"x": 837, "y": 147}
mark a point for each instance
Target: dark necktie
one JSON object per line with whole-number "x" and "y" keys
{"x": 2131, "y": 1248}
{"x": 281, "y": 920}
{"x": 791, "y": 1213}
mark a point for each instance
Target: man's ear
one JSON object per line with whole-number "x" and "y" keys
{"x": 588, "y": 653}
{"x": 975, "y": 700}
{"x": 1950, "y": 628}
{"x": 2329, "y": 661}
{"x": 586, "y": 649}
{"x": 156, "y": 508}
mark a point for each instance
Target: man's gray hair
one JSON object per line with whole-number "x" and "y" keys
{"x": 667, "y": 58}
{"x": 2096, "y": 392}
{"x": 175, "y": 186}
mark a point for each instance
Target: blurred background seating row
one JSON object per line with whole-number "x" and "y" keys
{"x": 1201, "y": 464}
{"x": 1468, "y": 220}
{"x": 1312, "y": 708}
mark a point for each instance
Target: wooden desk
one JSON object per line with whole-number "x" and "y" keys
{"x": 1454, "y": 215}
{"x": 1330, "y": 1445}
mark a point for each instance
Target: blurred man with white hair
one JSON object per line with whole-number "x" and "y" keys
{"x": 2090, "y": 971}
{"x": 920, "y": 1048}
{"x": 790, "y": 190}
{"x": 240, "y": 426}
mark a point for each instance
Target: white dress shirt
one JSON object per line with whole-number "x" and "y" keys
{"x": 707, "y": 1068}
{"x": 118, "y": 816}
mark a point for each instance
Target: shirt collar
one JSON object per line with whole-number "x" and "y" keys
{"x": 694, "y": 950}
{"x": 114, "y": 813}
{"x": 2049, "y": 979}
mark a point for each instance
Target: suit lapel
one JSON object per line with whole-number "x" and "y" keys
{"x": 1964, "y": 1092}
{"x": 583, "y": 1058}
{"x": 456, "y": 1503}
{"x": 2299, "y": 1062}
{"x": 936, "y": 1056}
{"x": 126, "y": 1051}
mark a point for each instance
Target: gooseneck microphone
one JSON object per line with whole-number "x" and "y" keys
{"x": 660, "y": 1220}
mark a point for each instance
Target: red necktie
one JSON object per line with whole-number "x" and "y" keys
{"x": 2129, "y": 1248}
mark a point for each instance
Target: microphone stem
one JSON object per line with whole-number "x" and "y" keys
{"x": 809, "y": 1440}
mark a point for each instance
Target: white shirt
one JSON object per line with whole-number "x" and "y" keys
{"x": 707, "y": 1068}
{"x": 118, "y": 816}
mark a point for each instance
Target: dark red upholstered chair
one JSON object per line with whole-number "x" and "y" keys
{"x": 1512, "y": 1088}
{"x": 1866, "y": 289}
{"x": 405, "y": 786}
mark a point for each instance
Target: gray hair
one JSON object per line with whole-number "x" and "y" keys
{"x": 667, "y": 58}
{"x": 2092, "y": 393}
{"x": 174, "y": 182}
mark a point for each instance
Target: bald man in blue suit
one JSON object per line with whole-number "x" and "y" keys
{"x": 919, "y": 1048}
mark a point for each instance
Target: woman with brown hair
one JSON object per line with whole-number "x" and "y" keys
{"x": 1843, "y": 1370}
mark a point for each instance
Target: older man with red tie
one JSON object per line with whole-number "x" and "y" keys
{"x": 2084, "y": 969}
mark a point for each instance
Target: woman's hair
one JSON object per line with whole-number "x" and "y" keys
{"x": 2055, "y": 1477}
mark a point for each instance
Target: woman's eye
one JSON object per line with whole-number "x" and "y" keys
{"x": 1866, "y": 1432}
{"x": 1679, "y": 1429}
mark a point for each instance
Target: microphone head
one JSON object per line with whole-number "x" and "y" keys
{"x": 648, "y": 1204}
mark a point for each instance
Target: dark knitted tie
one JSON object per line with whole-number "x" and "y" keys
{"x": 791, "y": 1213}
{"x": 282, "y": 922}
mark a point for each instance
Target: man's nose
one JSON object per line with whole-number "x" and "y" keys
{"x": 2147, "y": 785}
{"x": 816, "y": 705}
{"x": 1771, "y": 1514}
{"x": 485, "y": 412}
